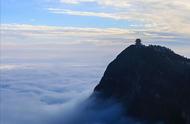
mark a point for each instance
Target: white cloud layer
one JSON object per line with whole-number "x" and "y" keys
{"x": 170, "y": 15}
{"x": 17, "y": 33}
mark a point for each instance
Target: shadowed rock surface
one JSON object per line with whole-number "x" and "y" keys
{"x": 151, "y": 82}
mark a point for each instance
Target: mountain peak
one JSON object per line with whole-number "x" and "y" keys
{"x": 152, "y": 82}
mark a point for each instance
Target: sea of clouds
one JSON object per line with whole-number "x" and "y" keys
{"x": 51, "y": 84}
{"x": 43, "y": 84}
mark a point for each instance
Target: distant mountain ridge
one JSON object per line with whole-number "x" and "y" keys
{"x": 152, "y": 83}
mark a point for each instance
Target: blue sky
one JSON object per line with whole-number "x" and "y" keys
{"x": 36, "y": 13}
{"x": 35, "y": 21}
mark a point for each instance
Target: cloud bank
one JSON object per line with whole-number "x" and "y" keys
{"x": 38, "y": 98}
{"x": 48, "y": 84}
{"x": 24, "y": 33}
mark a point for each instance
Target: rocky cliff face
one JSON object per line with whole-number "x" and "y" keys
{"x": 152, "y": 83}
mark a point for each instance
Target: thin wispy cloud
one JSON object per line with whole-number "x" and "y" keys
{"x": 129, "y": 3}
{"x": 114, "y": 3}
{"x": 86, "y": 13}
{"x": 170, "y": 16}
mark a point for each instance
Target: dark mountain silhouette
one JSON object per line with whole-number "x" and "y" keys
{"x": 151, "y": 82}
